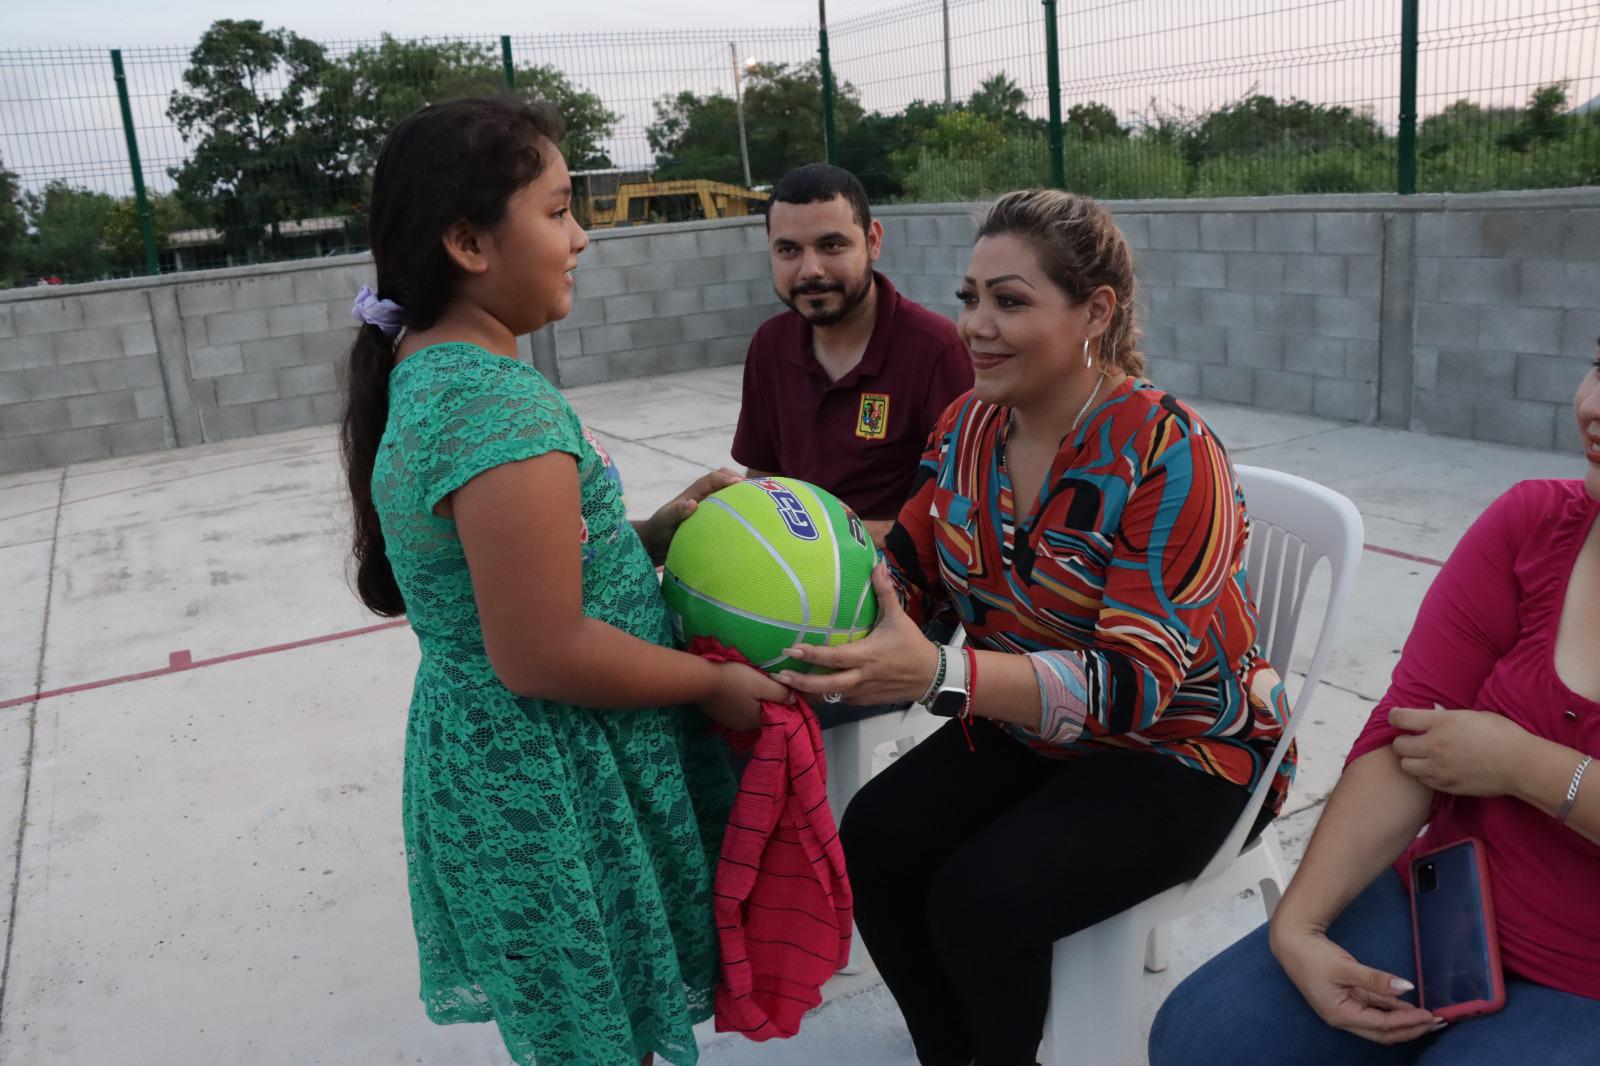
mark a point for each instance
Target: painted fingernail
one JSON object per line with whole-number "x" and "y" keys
{"x": 1400, "y": 984}
{"x": 1440, "y": 1024}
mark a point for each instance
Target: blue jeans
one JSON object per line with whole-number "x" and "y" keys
{"x": 1241, "y": 1009}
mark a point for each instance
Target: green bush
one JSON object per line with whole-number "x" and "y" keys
{"x": 1140, "y": 168}
{"x": 1018, "y": 163}
{"x": 1482, "y": 165}
{"x": 1112, "y": 170}
{"x": 1279, "y": 172}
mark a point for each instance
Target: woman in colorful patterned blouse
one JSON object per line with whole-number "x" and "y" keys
{"x": 1088, "y": 531}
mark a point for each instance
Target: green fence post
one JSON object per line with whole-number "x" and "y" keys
{"x": 1408, "y": 96}
{"x": 141, "y": 202}
{"x": 505, "y": 61}
{"x": 830, "y": 142}
{"x": 1058, "y": 155}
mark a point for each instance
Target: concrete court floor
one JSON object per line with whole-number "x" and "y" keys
{"x": 210, "y": 866}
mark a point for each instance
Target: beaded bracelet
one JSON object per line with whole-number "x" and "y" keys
{"x": 972, "y": 679}
{"x": 938, "y": 679}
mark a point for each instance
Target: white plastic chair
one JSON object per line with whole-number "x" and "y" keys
{"x": 848, "y": 749}
{"x": 1094, "y": 991}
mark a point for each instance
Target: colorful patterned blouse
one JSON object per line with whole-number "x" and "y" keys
{"x": 1125, "y": 585}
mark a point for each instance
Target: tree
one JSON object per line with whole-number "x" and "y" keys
{"x": 869, "y": 148}
{"x": 1461, "y": 123}
{"x": 124, "y": 240}
{"x": 369, "y": 91}
{"x": 698, "y": 136}
{"x": 68, "y": 233}
{"x": 257, "y": 160}
{"x": 13, "y": 228}
{"x": 1258, "y": 123}
{"x": 1094, "y": 121}
{"x": 1545, "y": 119}
{"x": 81, "y": 235}
{"x": 965, "y": 135}
{"x": 999, "y": 99}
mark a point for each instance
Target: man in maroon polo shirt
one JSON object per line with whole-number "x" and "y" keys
{"x": 843, "y": 389}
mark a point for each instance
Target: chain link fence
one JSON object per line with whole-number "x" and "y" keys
{"x": 256, "y": 144}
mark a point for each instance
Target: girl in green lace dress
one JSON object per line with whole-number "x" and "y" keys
{"x": 562, "y": 801}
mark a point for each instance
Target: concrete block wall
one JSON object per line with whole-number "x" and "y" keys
{"x": 1469, "y": 315}
{"x": 1507, "y": 306}
{"x": 117, "y": 368}
{"x": 1279, "y": 310}
{"x": 262, "y": 352}
{"x": 1472, "y": 316}
{"x": 80, "y": 378}
{"x": 665, "y": 298}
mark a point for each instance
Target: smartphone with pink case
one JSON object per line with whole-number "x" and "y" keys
{"x": 1452, "y": 924}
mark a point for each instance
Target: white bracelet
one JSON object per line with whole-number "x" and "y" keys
{"x": 1572, "y": 789}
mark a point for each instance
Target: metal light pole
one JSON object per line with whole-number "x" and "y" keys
{"x": 947, "y": 55}
{"x": 738, "y": 105}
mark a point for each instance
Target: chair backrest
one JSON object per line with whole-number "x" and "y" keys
{"x": 1294, "y": 524}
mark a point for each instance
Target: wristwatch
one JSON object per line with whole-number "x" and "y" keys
{"x": 948, "y": 698}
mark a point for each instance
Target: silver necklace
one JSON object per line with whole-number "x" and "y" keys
{"x": 1011, "y": 418}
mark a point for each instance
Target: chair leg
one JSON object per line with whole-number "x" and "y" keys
{"x": 1272, "y": 880}
{"x": 849, "y": 764}
{"x": 857, "y": 963}
{"x": 1158, "y": 948}
{"x": 849, "y": 758}
{"x": 1094, "y": 995}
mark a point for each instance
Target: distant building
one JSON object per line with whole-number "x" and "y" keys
{"x": 298, "y": 238}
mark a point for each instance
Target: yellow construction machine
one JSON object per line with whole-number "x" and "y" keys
{"x": 617, "y": 197}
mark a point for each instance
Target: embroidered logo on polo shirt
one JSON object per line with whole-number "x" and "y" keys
{"x": 872, "y": 422}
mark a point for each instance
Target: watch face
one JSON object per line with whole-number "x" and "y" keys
{"x": 948, "y": 703}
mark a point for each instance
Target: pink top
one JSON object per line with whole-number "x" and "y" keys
{"x": 1485, "y": 639}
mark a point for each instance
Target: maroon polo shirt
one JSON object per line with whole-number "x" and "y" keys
{"x": 862, "y": 436}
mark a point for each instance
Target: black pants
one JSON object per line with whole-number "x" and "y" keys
{"x": 968, "y": 865}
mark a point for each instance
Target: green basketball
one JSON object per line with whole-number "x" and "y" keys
{"x": 769, "y": 563}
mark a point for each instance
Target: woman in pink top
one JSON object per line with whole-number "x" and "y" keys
{"x": 1492, "y": 715}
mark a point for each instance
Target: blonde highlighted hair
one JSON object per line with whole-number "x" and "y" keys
{"x": 1081, "y": 249}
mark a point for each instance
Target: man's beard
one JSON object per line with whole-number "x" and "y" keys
{"x": 852, "y": 295}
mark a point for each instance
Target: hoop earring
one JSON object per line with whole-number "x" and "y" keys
{"x": 1087, "y": 361}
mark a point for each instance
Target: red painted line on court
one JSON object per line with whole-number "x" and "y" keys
{"x": 182, "y": 660}
{"x": 1402, "y": 555}
{"x": 179, "y": 661}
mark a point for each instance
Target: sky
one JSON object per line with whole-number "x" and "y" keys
{"x": 119, "y": 24}
{"x": 59, "y": 116}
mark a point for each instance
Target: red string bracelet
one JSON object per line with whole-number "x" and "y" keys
{"x": 971, "y": 684}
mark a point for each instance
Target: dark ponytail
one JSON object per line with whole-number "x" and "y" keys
{"x": 447, "y": 162}
{"x": 366, "y": 412}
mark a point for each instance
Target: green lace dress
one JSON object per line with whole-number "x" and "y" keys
{"x": 560, "y": 858}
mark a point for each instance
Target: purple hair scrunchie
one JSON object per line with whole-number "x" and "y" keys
{"x": 385, "y": 314}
